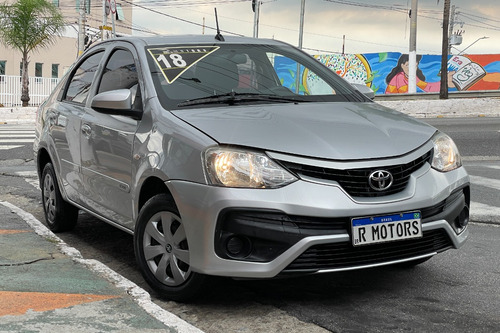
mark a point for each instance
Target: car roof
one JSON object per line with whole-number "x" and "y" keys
{"x": 193, "y": 39}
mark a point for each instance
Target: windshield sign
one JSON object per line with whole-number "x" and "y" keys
{"x": 173, "y": 61}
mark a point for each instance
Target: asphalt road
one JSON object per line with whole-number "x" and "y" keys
{"x": 456, "y": 291}
{"x": 475, "y": 137}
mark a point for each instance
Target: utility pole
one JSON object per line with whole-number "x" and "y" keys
{"x": 105, "y": 12}
{"x": 301, "y": 34}
{"x": 256, "y": 17}
{"x": 452, "y": 24}
{"x": 301, "y": 28}
{"x": 412, "y": 75}
{"x": 81, "y": 28}
{"x": 443, "y": 89}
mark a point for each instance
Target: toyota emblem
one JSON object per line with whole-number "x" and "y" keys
{"x": 380, "y": 180}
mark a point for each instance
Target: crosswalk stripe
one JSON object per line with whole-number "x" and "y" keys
{"x": 480, "y": 212}
{"x": 16, "y": 141}
{"x": 9, "y": 147}
{"x": 14, "y": 137}
{"x": 487, "y": 182}
{"x": 17, "y": 132}
{"x": 17, "y": 136}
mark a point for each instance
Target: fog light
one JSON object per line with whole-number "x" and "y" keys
{"x": 463, "y": 219}
{"x": 238, "y": 247}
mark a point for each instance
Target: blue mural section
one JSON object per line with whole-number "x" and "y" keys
{"x": 387, "y": 72}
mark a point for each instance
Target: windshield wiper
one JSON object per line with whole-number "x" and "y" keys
{"x": 232, "y": 97}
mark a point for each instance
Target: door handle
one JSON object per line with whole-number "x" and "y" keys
{"x": 86, "y": 131}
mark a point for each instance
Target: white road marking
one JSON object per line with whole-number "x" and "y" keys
{"x": 18, "y": 132}
{"x": 17, "y": 136}
{"x": 12, "y": 136}
{"x": 33, "y": 182}
{"x": 16, "y": 141}
{"x": 488, "y": 182}
{"x": 480, "y": 212}
{"x": 9, "y": 147}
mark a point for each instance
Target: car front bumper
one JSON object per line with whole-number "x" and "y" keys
{"x": 280, "y": 245}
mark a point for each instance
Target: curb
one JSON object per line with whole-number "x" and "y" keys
{"x": 139, "y": 295}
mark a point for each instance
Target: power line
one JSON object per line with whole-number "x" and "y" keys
{"x": 179, "y": 19}
{"x": 480, "y": 20}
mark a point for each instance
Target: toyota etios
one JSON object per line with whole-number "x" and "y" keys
{"x": 243, "y": 158}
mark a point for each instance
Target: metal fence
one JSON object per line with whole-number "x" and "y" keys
{"x": 39, "y": 89}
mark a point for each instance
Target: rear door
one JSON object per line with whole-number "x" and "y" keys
{"x": 64, "y": 118}
{"x": 107, "y": 142}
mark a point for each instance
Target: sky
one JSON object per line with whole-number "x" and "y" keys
{"x": 368, "y": 26}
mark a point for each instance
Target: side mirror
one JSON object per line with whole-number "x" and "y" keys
{"x": 115, "y": 102}
{"x": 365, "y": 90}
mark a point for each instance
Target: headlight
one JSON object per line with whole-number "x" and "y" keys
{"x": 446, "y": 156}
{"x": 241, "y": 168}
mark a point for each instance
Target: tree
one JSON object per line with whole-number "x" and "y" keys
{"x": 27, "y": 25}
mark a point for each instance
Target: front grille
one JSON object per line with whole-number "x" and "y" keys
{"x": 355, "y": 181}
{"x": 345, "y": 255}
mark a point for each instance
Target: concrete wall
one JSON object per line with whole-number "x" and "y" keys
{"x": 466, "y": 107}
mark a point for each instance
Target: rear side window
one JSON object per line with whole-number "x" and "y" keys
{"x": 81, "y": 81}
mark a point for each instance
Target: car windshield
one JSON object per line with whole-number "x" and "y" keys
{"x": 227, "y": 74}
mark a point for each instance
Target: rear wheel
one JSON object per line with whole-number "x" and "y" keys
{"x": 162, "y": 250}
{"x": 59, "y": 215}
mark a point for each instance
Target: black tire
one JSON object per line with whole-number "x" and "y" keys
{"x": 59, "y": 214}
{"x": 162, "y": 251}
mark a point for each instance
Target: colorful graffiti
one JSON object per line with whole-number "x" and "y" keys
{"x": 465, "y": 72}
{"x": 386, "y": 72}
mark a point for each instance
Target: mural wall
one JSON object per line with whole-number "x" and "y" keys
{"x": 386, "y": 72}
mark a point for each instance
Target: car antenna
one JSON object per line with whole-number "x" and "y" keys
{"x": 218, "y": 36}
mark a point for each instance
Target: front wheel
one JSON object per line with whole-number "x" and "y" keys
{"x": 59, "y": 214}
{"x": 162, "y": 251}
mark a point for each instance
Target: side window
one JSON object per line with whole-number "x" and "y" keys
{"x": 79, "y": 85}
{"x": 121, "y": 73}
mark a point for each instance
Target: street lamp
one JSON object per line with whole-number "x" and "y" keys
{"x": 477, "y": 40}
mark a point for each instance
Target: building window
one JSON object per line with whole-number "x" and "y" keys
{"x": 55, "y": 71}
{"x": 38, "y": 69}
{"x": 119, "y": 13}
{"x": 2, "y": 70}
{"x": 55, "y": 3}
{"x": 87, "y": 4}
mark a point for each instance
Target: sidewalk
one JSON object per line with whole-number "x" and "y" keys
{"x": 46, "y": 286}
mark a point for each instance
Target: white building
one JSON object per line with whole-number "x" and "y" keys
{"x": 54, "y": 61}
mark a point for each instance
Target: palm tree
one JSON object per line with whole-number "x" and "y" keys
{"x": 27, "y": 25}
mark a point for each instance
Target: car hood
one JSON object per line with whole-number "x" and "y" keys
{"x": 337, "y": 130}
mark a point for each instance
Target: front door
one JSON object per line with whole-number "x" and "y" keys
{"x": 107, "y": 145}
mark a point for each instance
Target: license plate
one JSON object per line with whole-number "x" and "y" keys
{"x": 379, "y": 229}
